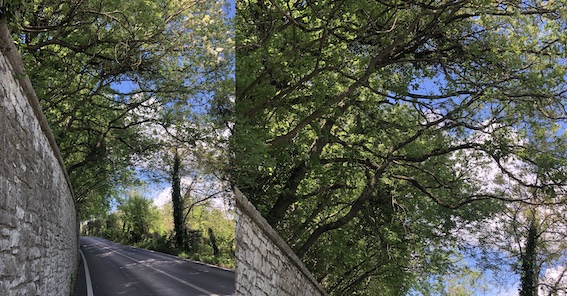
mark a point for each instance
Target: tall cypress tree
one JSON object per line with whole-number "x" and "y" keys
{"x": 529, "y": 266}
{"x": 177, "y": 202}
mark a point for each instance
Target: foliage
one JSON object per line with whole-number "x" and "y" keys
{"x": 177, "y": 202}
{"x": 217, "y": 230}
{"x": 210, "y": 231}
{"x": 362, "y": 127}
{"x": 109, "y": 72}
{"x": 527, "y": 237}
{"x": 139, "y": 216}
{"x": 464, "y": 283}
{"x": 529, "y": 240}
{"x": 194, "y": 179}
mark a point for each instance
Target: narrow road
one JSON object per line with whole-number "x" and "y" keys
{"x": 116, "y": 269}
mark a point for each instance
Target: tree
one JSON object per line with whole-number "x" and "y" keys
{"x": 193, "y": 171}
{"x": 213, "y": 240}
{"x": 529, "y": 269}
{"x": 360, "y": 124}
{"x": 529, "y": 240}
{"x": 138, "y": 216}
{"x": 465, "y": 283}
{"x": 527, "y": 236}
{"x": 113, "y": 228}
{"x": 177, "y": 202}
{"x": 215, "y": 235}
{"x": 191, "y": 159}
{"x": 104, "y": 70}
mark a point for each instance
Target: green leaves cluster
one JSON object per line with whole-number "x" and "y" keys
{"x": 110, "y": 73}
{"x": 362, "y": 125}
{"x": 138, "y": 217}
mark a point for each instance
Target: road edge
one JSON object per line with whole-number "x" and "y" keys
{"x": 173, "y": 256}
{"x": 191, "y": 260}
{"x": 87, "y": 275}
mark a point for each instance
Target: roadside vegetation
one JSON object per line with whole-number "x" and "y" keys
{"x": 138, "y": 222}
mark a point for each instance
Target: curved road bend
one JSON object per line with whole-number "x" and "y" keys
{"x": 116, "y": 269}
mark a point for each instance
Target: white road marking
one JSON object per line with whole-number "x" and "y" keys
{"x": 160, "y": 271}
{"x": 87, "y": 275}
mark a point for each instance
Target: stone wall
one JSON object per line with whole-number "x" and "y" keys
{"x": 265, "y": 264}
{"x": 38, "y": 234}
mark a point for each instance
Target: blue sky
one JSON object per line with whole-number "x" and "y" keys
{"x": 232, "y": 9}
{"x": 154, "y": 188}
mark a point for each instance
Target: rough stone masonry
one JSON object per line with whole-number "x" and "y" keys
{"x": 38, "y": 234}
{"x": 265, "y": 264}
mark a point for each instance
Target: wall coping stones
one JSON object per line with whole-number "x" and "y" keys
{"x": 248, "y": 208}
{"x": 9, "y": 50}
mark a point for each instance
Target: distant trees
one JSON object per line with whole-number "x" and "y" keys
{"x": 214, "y": 235}
{"x": 139, "y": 216}
{"x": 199, "y": 189}
{"x": 194, "y": 169}
{"x": 210, "y": 232}
{"x": 527, "y": 236}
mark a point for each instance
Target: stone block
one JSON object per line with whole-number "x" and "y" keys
{"x": 7, "y": 220}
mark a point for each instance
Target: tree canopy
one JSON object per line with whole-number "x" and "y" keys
{"x": 364, "y": 129}
{"x": 105, "y": 71}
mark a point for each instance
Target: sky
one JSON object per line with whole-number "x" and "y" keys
{"x": 160, "y": 191}
{"x": 232, "y": 9}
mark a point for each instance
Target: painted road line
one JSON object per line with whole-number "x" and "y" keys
{"x": 160, "y": 271}
{"x": 87, "y": 275}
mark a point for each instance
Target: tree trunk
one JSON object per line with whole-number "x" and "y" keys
{"x": 177, "y": 203}
{"x": 213, "y": 239}
{"x": 529, "y": 265}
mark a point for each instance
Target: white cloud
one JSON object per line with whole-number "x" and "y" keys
{"x": 555, "y": 277}
{"x": 163, "y": 197}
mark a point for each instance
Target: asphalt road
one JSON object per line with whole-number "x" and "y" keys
{"x": 116, "y": 269}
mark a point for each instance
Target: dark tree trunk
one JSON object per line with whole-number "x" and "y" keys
{"x": 177, "y": 203}
{"x": 529, "y": 265}
{"x": 214, "y": 243}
